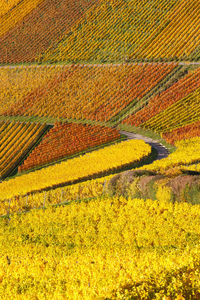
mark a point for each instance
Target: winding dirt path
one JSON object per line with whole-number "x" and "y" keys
{"x": 161, "y": 149}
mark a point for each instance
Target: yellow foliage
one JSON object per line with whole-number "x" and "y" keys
{"x": 6, "y": 5}
{"x": 16, "y": 83}
{"x": 75, "y": 192}
{"x": 187, "y": 152}
{"x": 192, "y": 167}
{"x": 168, "y": 40}
{"x": 15, "y": 140}
{"x": 97, "y": 162}
{"x": 91, "y": 92}
{"x": 119, "y": 30}
{"x": 183, "y": 112}
{"x": 9, "y": 20}
{"x": 106, "y": 248}
{"x": 163, "y": 193}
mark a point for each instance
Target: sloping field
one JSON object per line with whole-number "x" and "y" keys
{"x": 184, "y": 111}
{"x": 82, "y": 92}
{"x": 184, "y": 132}
{"x": 187, "y": 153}
{"x": 131, "y": 30}
{"x": 65, "y": 140}
{"x": 160, "y": 102}
{"x": 91, "y": 164}
{"x": 16, "y": 83}
{"x": 29, "y": 31}
{"x": 177, "y": 38}
{"x": 69, "y": 227}
{"x": 107, "y": 248}
{"x": 163, "y": 96}
{"x": 16, "y": 139}
{"x": 7, "y": 5}
{"x": 16, "y": 14}
{"x": 160, "y": 96}
{"x": 173, "y": 112}
{"x": 99, "y": 31}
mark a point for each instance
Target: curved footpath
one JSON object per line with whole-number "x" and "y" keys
{"x": 162, "y": 150}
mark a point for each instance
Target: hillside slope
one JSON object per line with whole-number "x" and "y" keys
{"x": 99, "y": 31}
{"x": 28, "y": 31}
{"x": 131, "y": 30}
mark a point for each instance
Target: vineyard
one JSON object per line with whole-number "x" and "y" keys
{"x": 104, "y": 248}
{"x": 16, "y": 139}
{"x": 6, "y": 5}
{"x": 154, "y": 31}
{"x": 100, "y": 149}
{"x": 61, "y": 97}
{"x": 185, "y": 132}
{"x": 187, "y": 152}
{"x": 182, "y": 88}
{"x": 174, "y": 112}
{"x": 144, "y": 95}
{"x": 19, "y": 38}
{"x": 98, "y": 31}
{"x": 94, "y": 163}
{"x": 68, "y": 139}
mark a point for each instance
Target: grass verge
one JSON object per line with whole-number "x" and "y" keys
{"x": 148, "y": 133}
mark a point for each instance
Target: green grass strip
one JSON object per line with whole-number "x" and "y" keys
{"x": 52, "y": 121}
{"x": 147, "y": 133}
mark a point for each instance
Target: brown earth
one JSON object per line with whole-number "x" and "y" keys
{"x": 184, "y": 188}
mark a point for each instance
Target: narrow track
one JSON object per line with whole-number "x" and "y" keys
{"x": 162, "y": 150}
{"x": 182, "y": 63}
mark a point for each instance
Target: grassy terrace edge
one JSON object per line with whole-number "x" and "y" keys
{"x": 52, "y": 121}
{"x": 94, "y": 63}
{"x": 147, "y": 133}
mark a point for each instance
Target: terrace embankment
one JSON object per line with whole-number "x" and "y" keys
{"x": 148, "y": 184}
